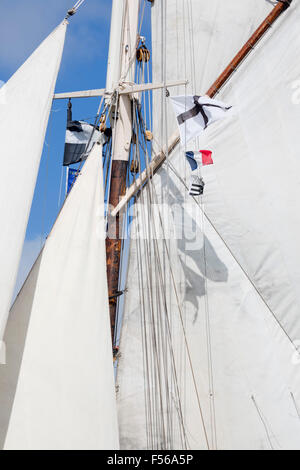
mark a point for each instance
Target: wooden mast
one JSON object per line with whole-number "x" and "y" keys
{"x": 122, "y": 133}
{"x": 158, "y": 159}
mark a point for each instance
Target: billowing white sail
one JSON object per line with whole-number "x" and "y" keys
{"x": 25, "y": 103}
{"x": 14, "y": 339}
{"x": 65, "y": 396}
{"x": 196, "y": 40}
{"x": 206, "y": 354}
{"x": 253, "y": 191}
{"x": 203, "y": 364}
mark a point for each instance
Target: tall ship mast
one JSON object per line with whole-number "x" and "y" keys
{"x": 163, "y": 311}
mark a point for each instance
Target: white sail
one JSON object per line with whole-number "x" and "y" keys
{"x": 253, "y": 190}
{"x": 14, "y": 339}
{"x": 25, "y": 102}
{"x": 196, "y": 40}
{"x": 65, "y": 397}
{"x": 190, "y": 309}
{"x": 206, "y": 353}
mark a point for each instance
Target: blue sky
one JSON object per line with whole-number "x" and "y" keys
{"x": 23, "y": 25}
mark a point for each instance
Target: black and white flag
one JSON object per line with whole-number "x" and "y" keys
{"x": 80, "y": 139}
{"x": 196, "y": 185}
{"x": 195, "y": 113}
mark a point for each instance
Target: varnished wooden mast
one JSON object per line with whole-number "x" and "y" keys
{"x": 122, "y": 133}
{"x": 114, "y": 242}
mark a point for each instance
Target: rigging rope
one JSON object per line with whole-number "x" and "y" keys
{"x": 157, "y": 427}
{"x": 165, "y": 274}
{"x": 184, "y": 331}
{"x": 164, "y": 405}
{"x": 158, "y": 305}
{"x": 159, "y": 374}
